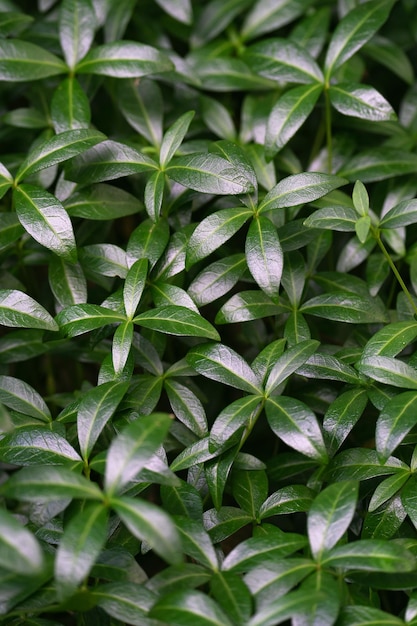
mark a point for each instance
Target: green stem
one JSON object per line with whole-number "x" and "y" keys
{"x": 395, "y": 271}
{"x": 328, "y": 117}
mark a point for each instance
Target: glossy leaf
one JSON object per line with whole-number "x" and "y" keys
{"x": 341, "y": 417}
{"x": 77, "y": 23}
{"x": 283, "y": 608}
{"x": 246, "y": 306}
{"x": 20, "y": 310}
{"x": 189, "y": 607}
{"x": 67, "y": 282}
{"x": 374, "y": 165}
{"x": 389, "y": 371}
{"x": 266, "y": 16}
{"x": 127, "y": 601}
{"x": 403, "y": 214}
{"x": 217, "y": 279}
{"x": 134, "y": 285}
{"x": 371, "y": 555}
{"x": 174, "y": 137}
{"x": 287, "y": 500}
{"x": 81, "y": 318}
{"x": 142, "y": 106}
{"x": 23, "y": 61}
{"x": 196, "y": 542}
{"x": 177, "y": 320}
{"x": 395, "y": 421}
{"x": 351, "y": 308}
{"x": 361, "y": 101}
{"x": 230, "y": 422}
{"x": 187, "y": 407}
{"x": 288, "y": 363}
{"x": 20, "y": 396}
{"x": 37, "y": 446}
{"x": 20, "y": 552}
{"x": 124, "y": 59}
{"x": 264, "y": 255}
{"x": 46, "y": 220}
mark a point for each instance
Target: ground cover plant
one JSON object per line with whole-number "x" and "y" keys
{"x": 208, "y": 312}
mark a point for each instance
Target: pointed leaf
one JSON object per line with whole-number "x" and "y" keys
{"x": 246, "y": 306}
{"x": 189, "y": 608}
{"x": 134, "y": 285}
{"x": 36, "y": 446}
{"x": 380, "y": 164}
{"x": 229, "y": 424}
{"x": 81, "y": 318}
{"x": 102, "y": 202}
{"x": 233, "y": 596}
{"x": 20, "y": 552}
{"x": 67, "y": 282}
{"x": 151, "y": 524}
{"x": 402, "y": 214}
{"x": 345, "y": 307}
{"x": 20, "y": 396}
{"x": 49, "y": 483}
{"x": 287, "y": 500}
{"x": 371, "y": 555}
{"x": 23, "y": 61}
{"x": 341, "y": 417}
{"x": 126, "y": 601}
{"x": 217, "y": 279}
{"x": 154, "y": 195}
{"x": 124, "y": 59}
{"x": 6, "y": 180}
{"x": 361, "y": 101}
{"x": 83, "y": 539}
{"x": 390, "y": 371}
{"x": 264, "y": 255}
{"x": 335, "y": 218}
{"x": 20, "y": 310}
{"x": 141, "y": 104}
{"x": 395, "y": 421}
{"x": 77, "y": 22}
{"x": 177, "y": 320}
{"x": 132, "y": 448}
{"x": 269, "y": 15}
{"x": 328, "y": 367}
{"x": 196, "y": 542}
{"x": 367, "y": 616}
{"x": 294, "y": 423}
{"x": 187, "y": 407}
{"x": 288, "y": 363}
{"x": 173, "y": 137}
{"x": 221, "y": 363}
{"x": 330, "y": 516}
{"x": 94, "y": 411}
{"x": 46, "y": 220}
{"x": 353, "y": 31}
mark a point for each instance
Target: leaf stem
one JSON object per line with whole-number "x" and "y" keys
{"x": 396, "y": 273}
{"x": 328, "y": 118}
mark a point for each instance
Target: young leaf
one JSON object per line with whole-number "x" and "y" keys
{"x": 134, "y": 285}
{"x": 395, "y": 421}
{"x": 230, "y": 422}
{"x": 132, "y": 448}
{"x": 221, "y": 363}
{"x": 60, "y": 148}
{"x": 330, "y": 516}
{"x": 83, "y": 539}
{"x": 124, "y": 59}
{"x": 46, "y": 220}
{"x": 361, "y": 101}
{"x": 20, "y": 551}
{"x": 353, "y": 31}
{"x": 294, "y": 423}
{"x": 20, "y": 310}
{"x": 287, "y": 500}
{"x": 23, "y": 61}
{"x": 288, "y": 115}
{"x": 177, "y": 320}
{"x": 81, "y": 318}
{"x": 189, "y": 607}
{"x": 299, "y": 189}
{"x": 77, "y": 22}
{"x": 95, "y": 409}
{"x": 209, "y": 173}
{"x": 174, "y": 137}
{"x": 213, "y": 231}
{"x": 151, "y": 524}
{"x": 264, "y": 255}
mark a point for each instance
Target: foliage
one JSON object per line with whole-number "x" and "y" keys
{"x": 208, "y": 305}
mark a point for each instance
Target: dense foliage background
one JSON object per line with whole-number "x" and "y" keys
{"x": 208, "y": 278}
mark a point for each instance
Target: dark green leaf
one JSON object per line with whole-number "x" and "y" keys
{"x": 264, "y": 255}
{"x": 48, "y": 483}
{"x": 361, "y": 101}
{"x": 336, "y": 218}
{"x": 46, "y": 220}
{"x": 250, "y": 489}
{"x": 269, "y": 15}
{"x": 134, "y": 285}
{"x": 380, "y": 164}
{"x": 330, "y": 516}
{"x": 37, "y": 446}
{"x": 126, "y": 601}
{"x": 20, "y": 552}
{"x": 165, "y": 294}
{"x": 367, "y": 616}
{"x": 102, "y": 202}
{"x": 246, "y": 306}
{"x": 20, "y": 396}
{"x": 233, "y": 596}
{"x": 67, "y": 282}
{"x": 148, "y": 241}
{"x": 6, "y": 180}
{"x": 371, "y": 555}
{"x": 354, "y": 31}
{"x": 83, "y": 539}
{"x": 288, "y": 363}
{"x": 345, "y": 307}
{"x": 182, "y": 500}
{"x": 174, "y": 137}
{"x": 77, "y": 22}
{"x": 295, "y": 423}
{"x": 196, "y": 542}
{"x": 391, "y": 339}
{"x": 105, "y": 259}
{"x": 389, "y": 371}
{"x": 154, "y": 195}
{"x": 229, "y": 424}
{"x": 287, "y": 500}
{"x": 217, "y": 279}
{"x": 124, "y": 59}
{"x": 23, "y": 61}
{"x": 341, "y": 416}
{"x": 290, "y": 605}
{"x": 189, "y": 608}
{"x": 225, "y": 522}
{"x": 180, "y": 10}
{"x": 221, "y": 363}
{"x": 362, "y": 464}
{"x": 20, "y": 310}
{"x": 187, "y": 407}
{"x": 396, "y": 420}
{"x": 81, "y": 318}
{"x": 177, "y": 320}
{"x": 142, "y": 106}
{"x": 328, "y": 367}
{"x": 402, "y": 214}
{"x": 215, "y": 17}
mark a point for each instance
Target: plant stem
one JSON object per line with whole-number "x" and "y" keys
{"x": 328, "y": 117}
{"x": 395, "y": 271}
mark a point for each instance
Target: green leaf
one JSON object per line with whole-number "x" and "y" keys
{"x": 36, "y": 446}
{"x": 402, "y": 214}
{"x": 283, "y": 61}
{"x": 182, "y": 500}
{"x": 391, "y": 339}
{"x": 102, "y": 202}
{"x": 232, "y": 595}
{"x": 288, "y": 115}
{"x": 20, "y": 396}
{"x": 46, "y": 220}
{"x": 250, "y": 489}
{"x": 48, "y": 483}
{"x": 173, "y": 138}
{"x": 196, "y": 542}
{"x": 216, "y": 473}
{"x": 177, "y": 320}
{"x": 148, "y": 241}
{"x": 6, "y": 180}
{"x": 140, "y": 102}
{"x": 362, "y": 228}
{"x": 189, "y": 608}
{"x": 269, "y": 15}
{"x": 217, "y": 279}
{"x": 336, "y": 218}
{"x": 83, "y": 539}
{"x": 341, "y": 417}
{"x": 246, "y": 306}
{"x": 147, "y": 355}
{"x": 361, "y": 101}
{"x": 371, "y": 555}
{"x": 186, "y": 407}
{"x": 264, "y": 255}
{"x": 282, "y": 609}
{"x": 20, "y": 552}
{"x": 345, "y": 307}
{"x": 134, "y": 285}
{"x": 132, "y": 448}
{"x": 67, "y": 282}
{"x": 395, "y": 421}
{"x": 105, "y": 259}
{"x": 209, "y": 173}
{"x": 367, "y": 616}
{"x": 165, "y": 294}
{"x": 353, "y": 31}
{"x": 196, "y": 453}
{"x": 150, "y": 523}
{"x": 124, "y": 59}
{"x": 362, "y": 464}
{"x": 380, "y": 164}
{"x": 328, "y": 367}
{"x": 288, "y": 363}
{"x": 215, "y": 17}
{"x": 229, "y": 424}
{"x": 77, "y": 22}
{"x": 13, "y": 22}
{"x": 81, "y": 318}
{"x": 266, "y": 358}
{"x": 180, "y": 10}
{"x": 126, "y": 601}
{"x": 295, "y": 423}
{"x": 221, "y": 363}
{"x": 409, "y": 500}
{"x": 299, "y": 189}
{"x": 390, "y": 371}
{"x": 154, "y": 195}
{"x": 217, "y": 117}
{"x": 96, "y": 407}
{"x": 23, "y": 61}
{"x": 60, "y": 148}
{"x": 20, "y": 310}
{"x": 330, "y": 516}
{"x": 107, "y": 161}
{"x": 386, "y": 490}
{"x": 294, "y": 499}
{"x": 215, "y": 230}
